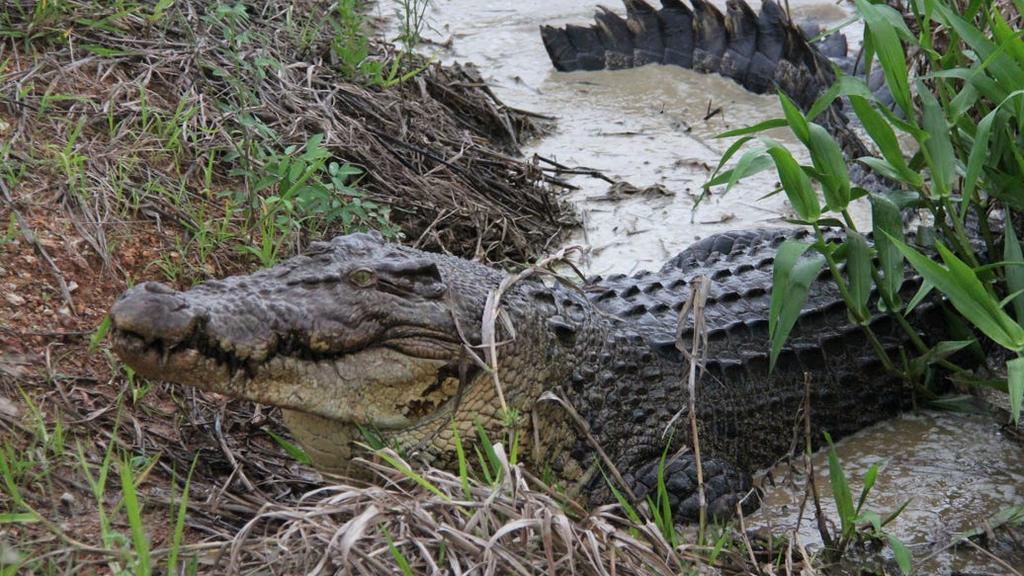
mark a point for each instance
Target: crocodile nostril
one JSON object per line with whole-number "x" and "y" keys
{"x": 152, "y": 311}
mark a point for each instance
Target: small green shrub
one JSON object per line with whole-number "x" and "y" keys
{"x": 964, "y": 119}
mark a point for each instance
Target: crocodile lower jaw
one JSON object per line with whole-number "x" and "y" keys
{"x": 379, "y": 387}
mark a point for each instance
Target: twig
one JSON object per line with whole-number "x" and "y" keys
{"x": 579, "y": 170}
{"x": 819, "y": 514}
{"x": 585, "y": 428}
{"x": 699, "y": 288}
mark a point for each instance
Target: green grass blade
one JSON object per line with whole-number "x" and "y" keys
{"x": 963, "y": 288}
{"x": 840, "y": 491}
{"x": 134, "y": 511}
{"x": 400, "y": 559}
{"x": 179, "y": 522}
{"x": 488, "y": 448}
{"x": 978, "y": 154}
{"x": 759, "y": 127}
{"x": 410, "y": 474}
{"x": 843, "y": 86}
{"x": 296, "y": 453}
{"x": 869, "y": 483}
{"x": 460, "y": 451}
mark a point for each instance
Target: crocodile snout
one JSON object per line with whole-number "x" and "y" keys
{"x": 154, "y": 311}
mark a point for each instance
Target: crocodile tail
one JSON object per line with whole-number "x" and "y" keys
{"x": 741, "y": 44}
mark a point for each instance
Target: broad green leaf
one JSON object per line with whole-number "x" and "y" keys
{"x": 858, "y": 268}
{"x": 902, "y": 555}
{"x": 840, "y": 490}
{"x": 886, "y": 43}
{"x": 885, "y": 138}
{"x": 882, "y": 167}
{"x": 791, "y": 280}
{"x": 752, "y": 162}
{"x": 831, "y": 165}
{"x": 1015, "y": 386}
{"x": 843, "y": 86}
{"x": 940, "y": 150}
{"x": 795, "y": 182}
{"x": 785, "y": 259}
{"x": 1014, "y": 263}
{"x": 795, "y": 118}
{"x": 759, "y": 163}
{"x": 963, "y": 288}
{"x": 888, "y": 225}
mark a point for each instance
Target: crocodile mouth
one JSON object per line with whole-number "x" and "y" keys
{"x": 397, "y": 382}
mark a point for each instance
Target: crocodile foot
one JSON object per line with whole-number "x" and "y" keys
{"x": 724, "y": 487}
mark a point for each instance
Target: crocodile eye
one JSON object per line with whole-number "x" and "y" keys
{"x": 362, "y": 277}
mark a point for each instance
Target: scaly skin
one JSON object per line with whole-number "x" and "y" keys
{"x": 361, "y": 332}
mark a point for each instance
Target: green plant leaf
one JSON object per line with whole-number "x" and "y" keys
{"x": 1015, "y": 386}
{"x": 830, "y": 163}
{"x": 296, "y": 453}
{"x": 888, "y": 225}
{"x": 961, "y": 285}
{"x": 795, "y": 182}
{"x": 1013, "y": 262}
{"x": 134, "y": 511}
{"x": 869, "y": 483}
{"x": 858, "y": 268}
{"x": 794, "y": 118}
{"x": 750, "y": 163}
{"x": 886, "y": 44}
{"x": 791, "y": 280}
{"x": 941, "y": 160}
{"x": 901, "y": 554}
{"x": 759, "y": 127}
{"x": 884, "y": 137}
{"x": 841, "y": 491}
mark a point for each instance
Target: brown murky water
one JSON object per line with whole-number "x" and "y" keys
{"x": 647, "y": 126}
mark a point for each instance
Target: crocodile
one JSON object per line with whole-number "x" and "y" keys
{"x": 358, "y": 333}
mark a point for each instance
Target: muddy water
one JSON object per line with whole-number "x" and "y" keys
{"x": 646, "y": 126}
{"x": 650, "y": 126}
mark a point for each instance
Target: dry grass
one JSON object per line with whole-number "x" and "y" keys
{"x": 161, "y": 115}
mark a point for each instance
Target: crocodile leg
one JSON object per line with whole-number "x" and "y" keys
{"x": 724, "y": 486}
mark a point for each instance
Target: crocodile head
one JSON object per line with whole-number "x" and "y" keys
{"x": 356, "y": 332}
